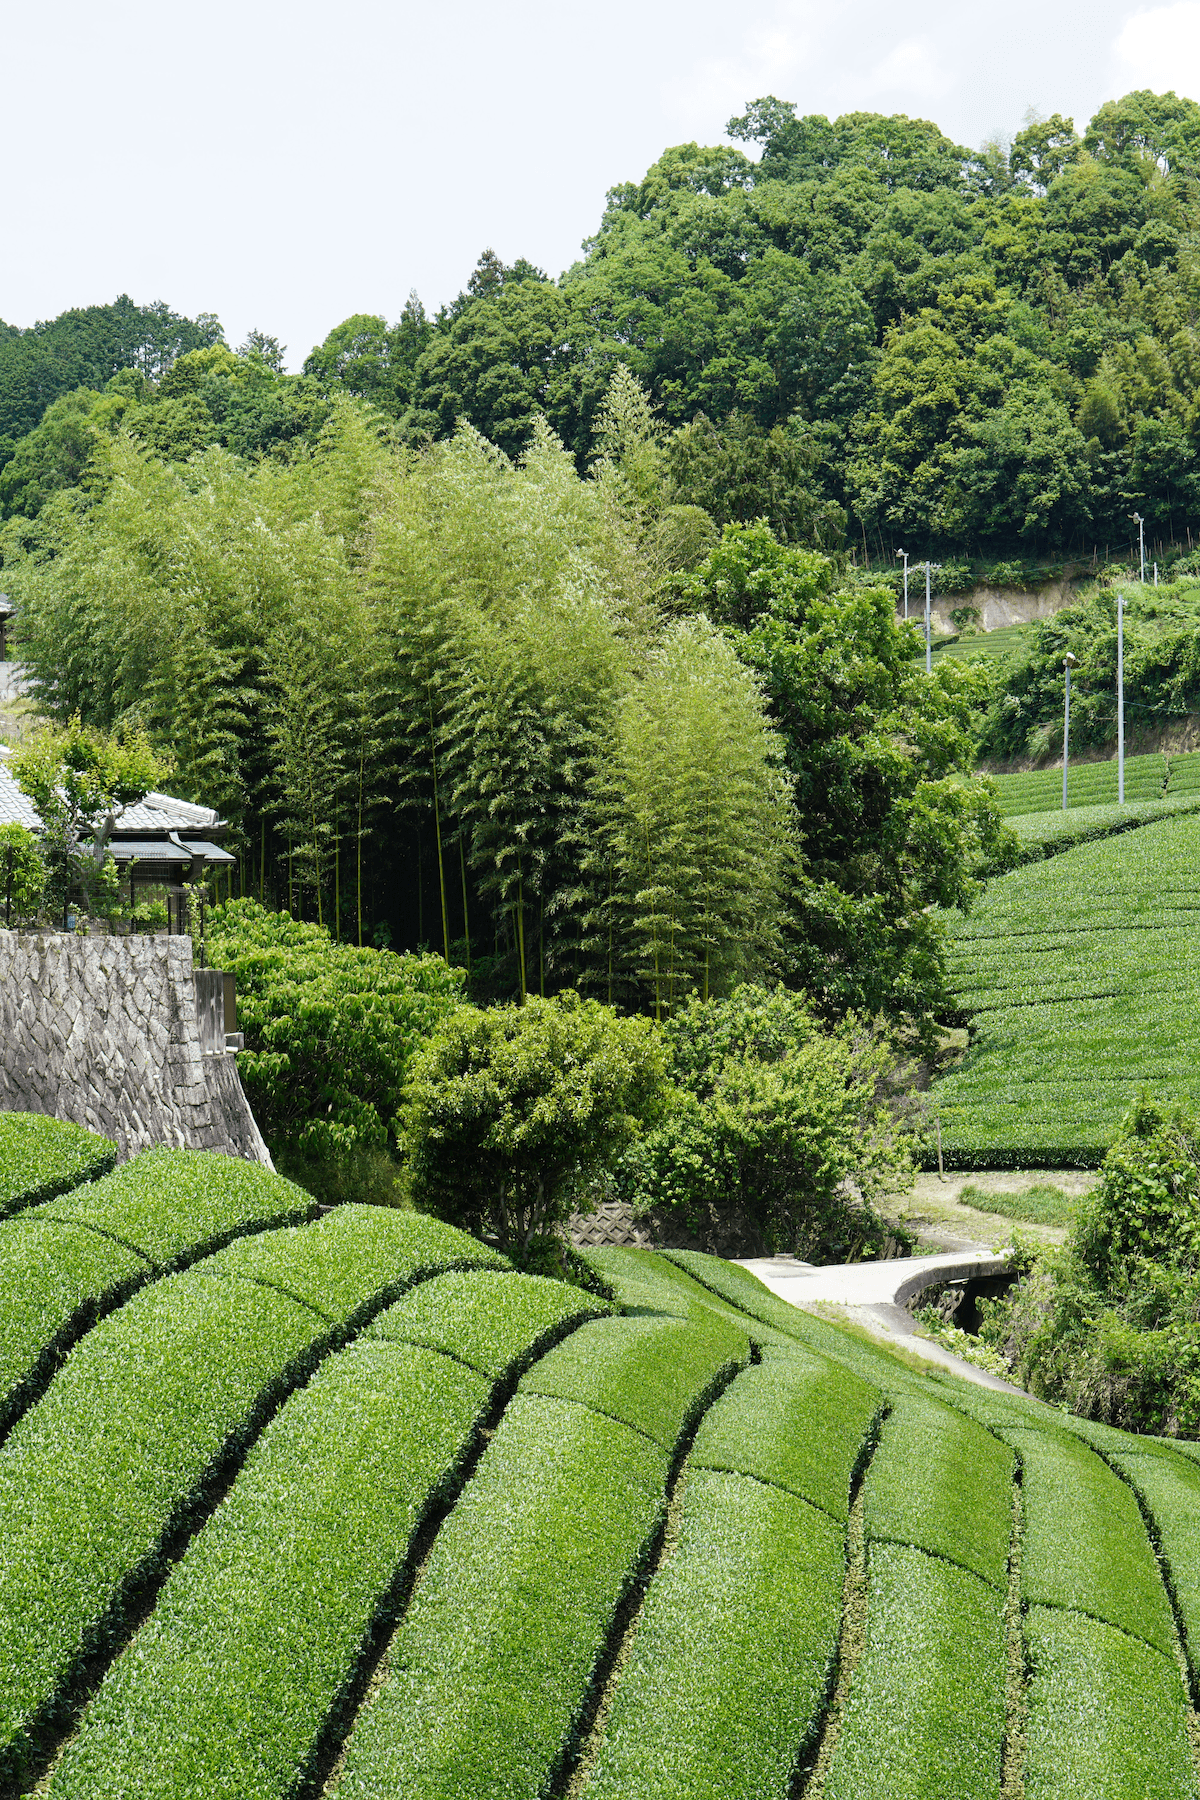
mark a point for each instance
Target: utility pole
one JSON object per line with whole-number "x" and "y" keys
{"x": 904, "y": 554}
{"x": 1120, "y": 701}
{"x": 1068, "y": 665}
{"x": 928, "y": 647}
{"x": 1141, "y": 525}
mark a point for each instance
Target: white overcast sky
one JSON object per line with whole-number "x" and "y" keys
{"x": 286, "y": 165}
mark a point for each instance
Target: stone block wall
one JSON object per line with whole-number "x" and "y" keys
{"x": 102, "y": 1031}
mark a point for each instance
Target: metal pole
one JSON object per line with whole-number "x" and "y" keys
{"x": 1142, "y": 547}
{"x": 1067, "y": 661}
{"x": 904, "y": 554}
{"x": 1120, "y": 699}
{"x": 928, "y": 648}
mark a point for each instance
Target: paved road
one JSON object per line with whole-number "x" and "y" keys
{"x": 875, "y": 1295}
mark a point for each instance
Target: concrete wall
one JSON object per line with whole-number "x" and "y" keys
{"x": 997, "y": 607}
{"x": 103, "y": 1031}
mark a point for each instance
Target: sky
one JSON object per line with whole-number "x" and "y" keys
{"x": 285, "y": 166}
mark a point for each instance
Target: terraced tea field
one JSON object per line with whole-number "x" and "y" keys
{"x": 1095, "y": 783}
{"x": 346, "y": 1507}
{"x": 1081, "y": 980}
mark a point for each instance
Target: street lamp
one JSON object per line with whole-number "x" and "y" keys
{"x": 1141, "y": 525}
{"x": 904, "y": 554}
{"x": 1068, "y": 665}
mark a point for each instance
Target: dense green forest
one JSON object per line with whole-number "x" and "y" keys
{"x": 537, "y": 632}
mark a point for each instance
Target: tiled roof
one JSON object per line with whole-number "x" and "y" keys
{"x": 157, "y": 813}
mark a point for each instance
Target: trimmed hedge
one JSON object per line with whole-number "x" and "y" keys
{"x": 1169, "y": 1489}
{"x": 798, "y": 1422}
{"x": 727, "y": 1674}
{"x": 944, "y": 1485}
{"x": 1106, "y": 1714}
{"x": 71, "y": 1260}
{"x": 226, "y": 1689}
{"x": 147, "y": 1413}
{"x": 1047, "y": 833}
{"x": 650, "y": 1373}
{"x": 490, "y": 1671}
{"x": 924, "y": 1718}
{"x": 494, "y": 1321}
{"x": 1084, "y": 1544}
{"x": 42, "y": 1157}
{"x": 646, "y": 1280}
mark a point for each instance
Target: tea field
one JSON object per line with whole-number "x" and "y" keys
{"x": 1080, "y": 977}
{"x": 1150, "y": 777}
{"x": 344, "y": 1506}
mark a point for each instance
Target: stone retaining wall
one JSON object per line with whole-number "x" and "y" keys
{"x": 103, "y": 1031}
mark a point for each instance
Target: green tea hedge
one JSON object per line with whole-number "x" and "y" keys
{"x": 652, "y": 1374}
{"x": 648, "y": 1279}
{"x": 489, "y": 1673}
{"x": 1084, "y": 1544}
{"x": 67, "y": 1262}
{"x": 1106, "y": 1714}
{"x": 147, "y": 1412}
{"x": 42, "y": 1157}
{"x": 1169, "y": 1490}
{"x": 924, "y": 1718}
{"x": 944, "y": 1485}
{"x": 726, "y": 1676}
{"x": 799, "y": 1423}
{"x": 494, "y": 1321}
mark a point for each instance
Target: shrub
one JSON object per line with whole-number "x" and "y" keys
{"x": 508, "y": 1112}
{"x": 779, "y": 1125}
{"x": 42, "y": 1157}
{"x": 330, "y": 1028}
{"x": 22, "y": 875}
{"x": 1108, "y": 1325}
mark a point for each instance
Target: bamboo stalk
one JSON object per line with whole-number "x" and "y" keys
{"x": 437, "y": 826}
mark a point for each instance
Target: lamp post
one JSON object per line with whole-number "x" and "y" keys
{"x": 1120, "y": 702}
{"x": 1141, "y": 525}
{"x": 928, "y": 648}
{"x": 904, "y": 554}
{"x": 1068, "y": 665}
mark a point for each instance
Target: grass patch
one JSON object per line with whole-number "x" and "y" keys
{"x": 1041, "y": 1204}
{"x": 1106, "y": 1715}
{"x": 728, "y": 1672}
{"x": 924, "y": 1718}
{"x": 42, "y": 1157}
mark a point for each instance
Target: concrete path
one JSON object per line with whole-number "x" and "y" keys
{"x": 876, "y": 1294}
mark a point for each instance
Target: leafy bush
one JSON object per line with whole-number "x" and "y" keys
{"x": 490, "y": 1671}
{"x": 1107, "y": 1326}
{"x": 509, "y": 1112}
{"x": 145, "y": 1415}
{"x": 223, "y": 1698}
{"x": 924, "y": 1718}
{"x": 1106, "y": 1714}
{"x": 944, "y": 1485}
{"x": 22, "y": 875}
{"x": 42, "y": 1157}
{"x": 779, "y": 1125}
{"x": 330, "y": 1028}
{"x": 726, "y": 1678}
{"x": 76, "y": 1258}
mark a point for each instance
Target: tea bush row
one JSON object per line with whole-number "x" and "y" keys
{"x": 145, "y": 1416}
{"x": 41, "y": 1157}
{"x": 490, "y": 1671}
{"x": 64, "y": 1263}
{"x": 259, "y": 1630}
{"x": 1095, "y": 783}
